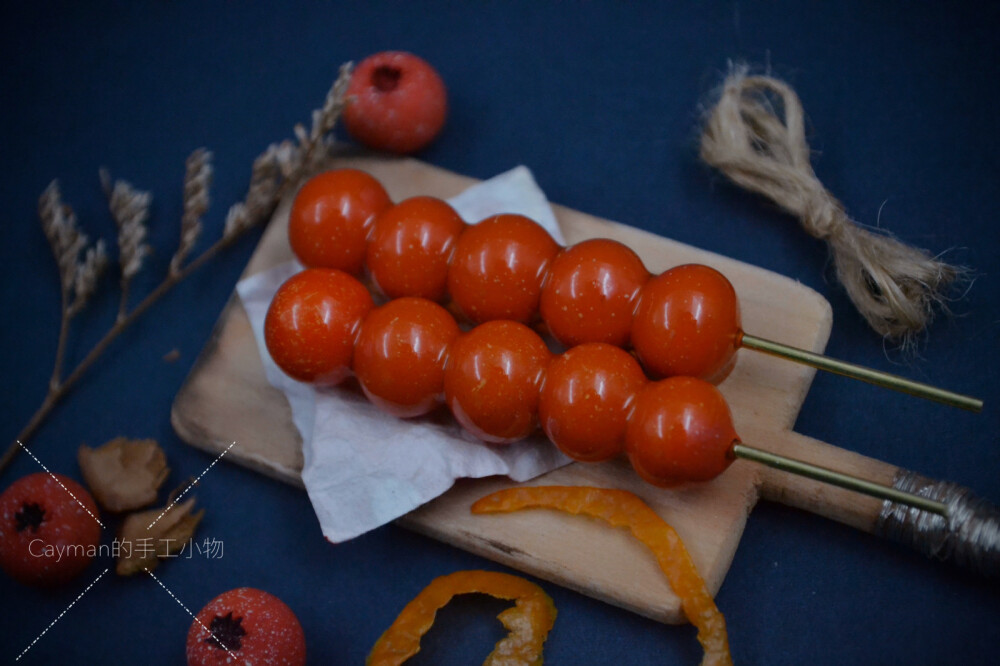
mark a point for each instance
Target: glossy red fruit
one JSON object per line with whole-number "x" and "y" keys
{"x": 49, "y": 530}
{"x": 680, "y": 430}
{"x": 313, "y": 322}
{"x": 492, "y": 380}
{"x": 499, "y": 268}
{"x": 332, "y": 216}
{"x": 246, "y": 626}
{"x": 401, "y": 353}
{"x": 396, "y": 102}
{"x": 591, "y": 293}
{"x": 586, "y": 399}
{"x": 687, "y": 323}
{"x": 411, "y": 246}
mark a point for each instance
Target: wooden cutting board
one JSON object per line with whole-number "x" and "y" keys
{"x": 227, "y": 398}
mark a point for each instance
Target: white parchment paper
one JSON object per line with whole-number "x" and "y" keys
{"x": 364, "y": 468}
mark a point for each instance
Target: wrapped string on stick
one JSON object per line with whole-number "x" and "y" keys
{"x": 761, "y": 146}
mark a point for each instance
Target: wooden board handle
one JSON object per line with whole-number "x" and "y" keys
{"x": 845, "y": 506}
{"x": 969, "y": 536}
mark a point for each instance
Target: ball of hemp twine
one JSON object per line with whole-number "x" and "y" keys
{"x": 894, "y": 286}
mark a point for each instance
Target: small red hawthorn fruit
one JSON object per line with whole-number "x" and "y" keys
{"x": 332, "y": 216}
{"x": 47, "y": 536}
{"x": 313, "y": 323}
{"x": 395, "y": 102}
{"x": 246, "y": 626}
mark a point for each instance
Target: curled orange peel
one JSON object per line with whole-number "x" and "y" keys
{"x": 528, "y": 621}
{"x": 620, "y": 508}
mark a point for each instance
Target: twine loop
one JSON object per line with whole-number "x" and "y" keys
{"x": 755, "y": 135}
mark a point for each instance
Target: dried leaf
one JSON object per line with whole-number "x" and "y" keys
{"x": 148, "y": 536}
{"x": 124, "y": 474}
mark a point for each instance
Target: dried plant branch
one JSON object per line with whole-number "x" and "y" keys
{"x": 274, "y": 173}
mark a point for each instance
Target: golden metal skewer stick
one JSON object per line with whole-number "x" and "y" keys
{"x": 864, "y": 374}
{"x": 839, "y": 479}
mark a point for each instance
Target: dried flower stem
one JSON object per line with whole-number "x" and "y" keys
{"x": 54, "y": 381}
{"x": 274, "y": 174}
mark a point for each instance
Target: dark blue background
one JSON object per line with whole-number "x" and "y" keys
{"x": 602, "y": 101}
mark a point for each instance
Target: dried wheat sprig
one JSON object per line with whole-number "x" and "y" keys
{"x": 129, "y": 208}
{"x": 265, "y": 179}
{"x": 78, "y": 279}
{"x": 95, "y": 260}
{"x": 274, "y": 173}
{"x": 197, "y": 180}
{"x": 59, "y": 224}
{"x": 283, "y": 164}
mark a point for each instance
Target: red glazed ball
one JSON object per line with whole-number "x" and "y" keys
{"x": 680, "y": 430}
{"x": 401, "y": 353}
{"x": 492, "y": 380}
{"x": 591, "y": 293}
{"x": 332, "y": 216}
{"x": 411, "y": 246}
{"x": 586, "y": 399}
{"x": 687, "y": 323}
{"x": 246, "y": 626}
{"x": 46, "y": 536}
{"x": 396, "y": 102}
{"x": 313, "y": 322}
{"x": 499, "y": 268}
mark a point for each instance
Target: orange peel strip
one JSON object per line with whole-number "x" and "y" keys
{"x": 621, "y": 508}
{"x": 528, "y": 621}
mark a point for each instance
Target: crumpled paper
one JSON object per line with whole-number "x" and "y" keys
{"x": 364, "y": 468}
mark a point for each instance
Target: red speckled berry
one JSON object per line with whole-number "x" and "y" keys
{"x": 47, "y": 536}
{"x": 332, "y": 216}
{"x": 499, "y": 268}
{"x": 411, "y": 247}
{"x": 395, "y": 102}
{"x": 591, "y": 293}
{"x": 401, "y": 353}
{"x": 492, "y": 380}
{"x": 586, "y": 399}
{"x": 313, "y": 322}
{"x": 687, "y": 323}
{"x": 246, "y": 626}
{"x": 680, "y": 430}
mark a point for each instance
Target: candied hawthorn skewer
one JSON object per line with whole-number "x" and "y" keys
{"x": 685, "y": 321}
{"x": 500, "y": 382}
